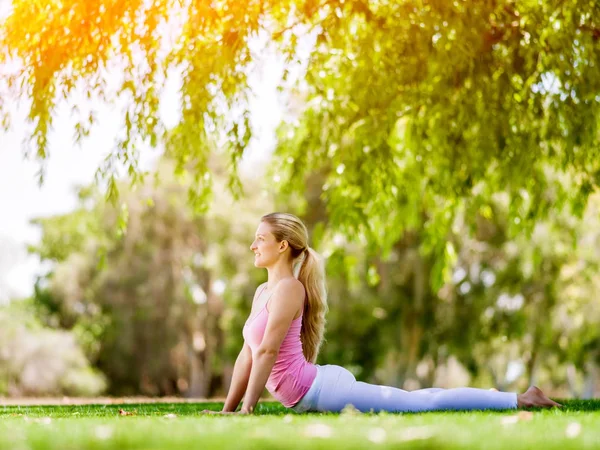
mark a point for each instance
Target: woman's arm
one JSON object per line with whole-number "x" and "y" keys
{"x": 241, "y": 373}
{"x": 239, "y": 379}
{"x": 288, "y": 298}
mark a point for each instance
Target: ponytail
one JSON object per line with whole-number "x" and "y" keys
{"x": 312, "y": 276}
{"x": 311, "y": 273}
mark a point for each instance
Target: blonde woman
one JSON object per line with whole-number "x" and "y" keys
{"x": 284, "y": 332}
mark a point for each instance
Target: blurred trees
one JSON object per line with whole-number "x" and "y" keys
{"x": 524, "y": 298}
{"x": 159, "y": 309}
{"x": 149, "y": 304}
{"x": 511, "y": 311}
{"x": 37, "y": 360}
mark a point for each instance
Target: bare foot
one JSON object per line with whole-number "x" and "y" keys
{"x": 534, "y": 397}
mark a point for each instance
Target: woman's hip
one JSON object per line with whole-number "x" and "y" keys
{"x": 329, "y": 381}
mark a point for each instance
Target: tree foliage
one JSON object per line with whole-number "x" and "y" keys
{"x": 403, "y": 106}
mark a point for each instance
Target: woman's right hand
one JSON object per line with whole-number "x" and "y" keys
{"x": 208, "y": 411}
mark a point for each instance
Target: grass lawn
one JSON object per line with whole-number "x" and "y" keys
{"x": 180, "y": 425}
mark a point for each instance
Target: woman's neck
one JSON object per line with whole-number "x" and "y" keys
{"x": 278, "y": 272}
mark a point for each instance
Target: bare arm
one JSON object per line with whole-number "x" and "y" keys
{"x": 288, "y": 299}
{"x": 239, "y": 379}
{"x": 241, "y": 374}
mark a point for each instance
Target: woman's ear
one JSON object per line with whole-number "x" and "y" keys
{"x": 283, "y": 245}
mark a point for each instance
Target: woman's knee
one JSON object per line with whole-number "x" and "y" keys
{"x": 433, "y": 401}
{"x": 416, "y": 401}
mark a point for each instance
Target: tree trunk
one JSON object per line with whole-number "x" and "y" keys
{"x": 572, "y": 381}
{"x": 197, "y": 345}
{"x": 198, "y": 383}
{"x": 591, "y": 375}
{"x": 415, "y": 325}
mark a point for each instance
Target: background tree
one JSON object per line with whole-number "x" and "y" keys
{"x": 400, "y": 101}
{"x": 37, "y": 360}
{"x": 149, "y": 303}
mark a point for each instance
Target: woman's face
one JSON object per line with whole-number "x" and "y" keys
{"x": 265, "y": 247}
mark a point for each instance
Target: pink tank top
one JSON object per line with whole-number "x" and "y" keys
{"x": 292, "y": 375}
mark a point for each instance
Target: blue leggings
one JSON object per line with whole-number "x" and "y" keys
{"x": 335, "y": 387}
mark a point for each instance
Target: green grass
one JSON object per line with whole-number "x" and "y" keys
{"x": 273, "y": 426}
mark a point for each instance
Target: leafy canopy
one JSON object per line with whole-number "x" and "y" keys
{"x": 406, "y": 108}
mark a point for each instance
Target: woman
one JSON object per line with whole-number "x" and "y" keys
{"x": 284, "y": 332}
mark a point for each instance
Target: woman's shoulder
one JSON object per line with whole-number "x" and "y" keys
{"x": 291, "y": 285}
{"x": 258, "y": 291}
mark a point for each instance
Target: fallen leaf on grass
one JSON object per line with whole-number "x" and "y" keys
{"x": 122, "y": 412}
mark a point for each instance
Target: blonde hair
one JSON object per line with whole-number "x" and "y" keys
{"x": 311, "y": 274}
